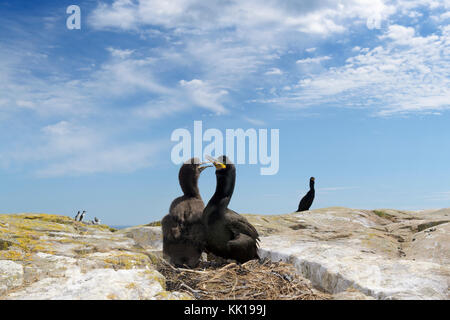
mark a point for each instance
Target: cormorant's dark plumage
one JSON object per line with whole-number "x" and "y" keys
{"x": 228, "y": 234}
{"x": 308, "y": 199}
{"x": 183, "y": 231}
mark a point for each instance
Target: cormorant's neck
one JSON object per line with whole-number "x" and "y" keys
{"x": 190, "y": 188}
{"x": 224, "y": 188}
{"x": 311, "y": 185}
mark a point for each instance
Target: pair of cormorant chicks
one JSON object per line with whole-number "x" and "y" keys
{"x": 191, "y": 228}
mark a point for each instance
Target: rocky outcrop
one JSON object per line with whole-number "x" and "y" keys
{"x": 364, "y": 254}
{"x": 54, "y": 257}
{"x": 348, "y": 253}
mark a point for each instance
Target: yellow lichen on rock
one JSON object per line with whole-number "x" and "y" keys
{"x": 47, "y": 217}
{"x": 12, "y": 255}
{"x": 154, "y": 275}
{"x": 112, "y": 296}
{"x": 131, "y": 285}
{"x": 128, "y": 260}
{"x": 56, "y": 257}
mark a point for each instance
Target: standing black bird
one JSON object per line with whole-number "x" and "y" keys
{"x": 228, "y": 234}
{"x": 82, "y": 216}
{"x": 308, "y": 199}
{"x": 76, "y": 217}
{"x": 183, "y": 231}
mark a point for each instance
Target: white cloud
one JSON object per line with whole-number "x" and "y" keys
{"x": 400, "y": 34}
{"x": 206, "y": 52}
{"x": 125, "y": 76}
{"x": 190, "y": 94}
{"x": 408, "y": 73}
{"x": 121, "y": 76}
{"x": 123, "y": 158}
{"x": 25, "y": 104}
{"x": 157, "y": 109}
{"x": 313, "y": 60}
{"x": 32, "y": 83}
{"x": 120, "y": 53}
{"x": 121, "y": 13}
{"x": 68, "y": 149}
{"x": 320, "y": 17}
{"x": 64, "y": 138}
{"x": 205, "y": 95}
{"x": 254, "y": 121}
{"x": 273, "y": 71}
{"x": 406, "y": 6}
{"x": 230, "y": 44}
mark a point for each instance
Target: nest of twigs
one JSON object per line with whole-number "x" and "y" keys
{"x": 253, "y": 280}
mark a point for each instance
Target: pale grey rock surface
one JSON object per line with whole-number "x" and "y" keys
{"x": 349, "y": 253}
{"x": 53, "y": 257}
{"x": 11, "y": 275}
{"x": 381, "y": 254}
{"x": 144, "y": 236}
{"x": 97, "y": 284}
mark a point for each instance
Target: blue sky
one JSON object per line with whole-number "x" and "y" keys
{"x": 358, "y": 89}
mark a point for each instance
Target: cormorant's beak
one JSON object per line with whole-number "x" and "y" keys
{"x": 219, "y": 165}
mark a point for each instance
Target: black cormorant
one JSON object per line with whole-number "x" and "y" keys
{"x": 308, "y": 199}
{"x": 228, "y": 234}
{"x": 76, "y": 217}
{"x": 82, "y": 215}
{"x": 183, "y": 231}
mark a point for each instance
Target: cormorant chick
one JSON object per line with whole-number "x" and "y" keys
{"x": 228, "y": 234}
{"x": 183, "y": 231}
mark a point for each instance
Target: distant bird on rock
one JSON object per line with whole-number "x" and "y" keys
{"x": 77, "y": 216}
{"x": 308, "y": 199}
{"x": 82, "y": 216}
